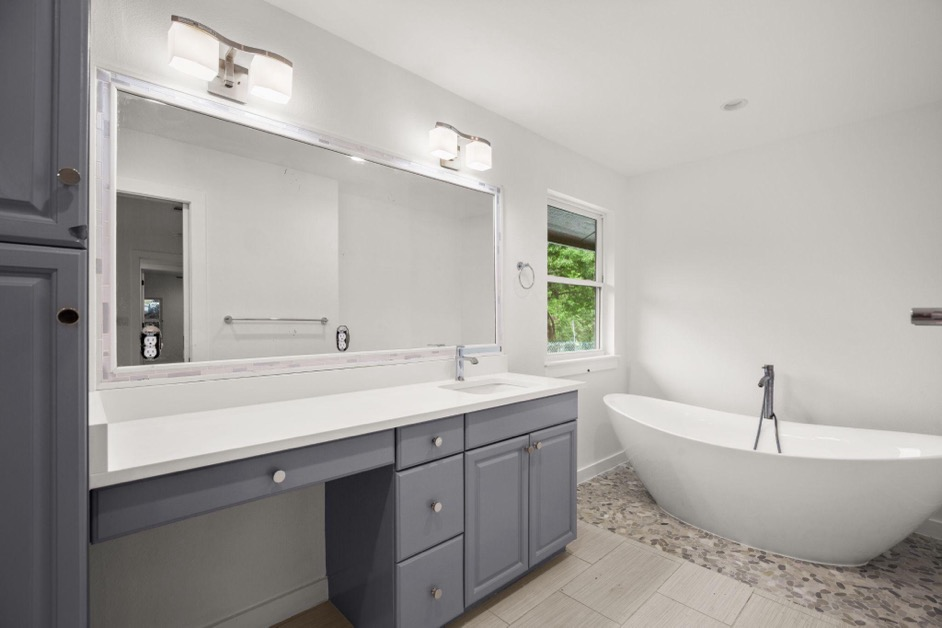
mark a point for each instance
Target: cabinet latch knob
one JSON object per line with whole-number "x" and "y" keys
{"x": 279, "y": 476}
{"x": 68, "y": 316}
{"x": 436, "y": 593}
{"x": 437, "y": 441}
{"x": 69, "y": 176}
{"x": 539, "y": 444}
{"x": 437, "y": 506}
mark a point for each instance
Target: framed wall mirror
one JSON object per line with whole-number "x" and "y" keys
{"x": 255, "y": 244}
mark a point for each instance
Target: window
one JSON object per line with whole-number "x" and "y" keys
{"x": 574, "y": 279}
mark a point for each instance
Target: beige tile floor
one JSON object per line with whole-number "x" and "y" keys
{"x": 604, "y": 580}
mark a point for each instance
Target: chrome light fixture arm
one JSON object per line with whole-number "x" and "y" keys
{"x": 231, "y": 43}
{"x": 470, "y": 138}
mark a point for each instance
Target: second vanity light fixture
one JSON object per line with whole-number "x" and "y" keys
{"x": 443, "y": 143}
{"x": 233, "y": 69}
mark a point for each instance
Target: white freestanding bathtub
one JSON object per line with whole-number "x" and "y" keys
{"x": 836, "y": 495}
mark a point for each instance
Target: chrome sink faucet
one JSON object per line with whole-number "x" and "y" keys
{"x": 767, "y": 384}
{"x": 460, "y": 359}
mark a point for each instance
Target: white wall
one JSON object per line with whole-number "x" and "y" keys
{"x": 344, "y": 91}
{"x": 807, "y": 254}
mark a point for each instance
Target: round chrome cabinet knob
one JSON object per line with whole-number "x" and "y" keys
{"x": 279, "y": 476}
{"x": 437, "y": 506}
{"x": 437, "y": 441}
{"x": 539, "y": 444}
{"x": 436, "y": 593}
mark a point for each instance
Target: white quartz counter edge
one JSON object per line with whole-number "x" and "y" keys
{"x": 145, "y": 448}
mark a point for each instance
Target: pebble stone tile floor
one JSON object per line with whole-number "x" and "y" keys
{"x": 901, "y": 587}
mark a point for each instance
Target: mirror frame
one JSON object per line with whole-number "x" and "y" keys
{"x": 102, "y": 288}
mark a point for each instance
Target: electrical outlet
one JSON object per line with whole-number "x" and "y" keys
{"x": 343, "y": 338}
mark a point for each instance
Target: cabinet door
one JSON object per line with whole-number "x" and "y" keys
{"x": 552, "y": 490}
{"x": 44, "y": 126}
{"x": 496, "y": 507}
{"x": 43, "y": 469}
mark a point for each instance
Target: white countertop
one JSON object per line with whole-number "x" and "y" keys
{"x": 144, "y": 448}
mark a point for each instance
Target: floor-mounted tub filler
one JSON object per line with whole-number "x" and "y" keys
{"x": 837, "y": 495}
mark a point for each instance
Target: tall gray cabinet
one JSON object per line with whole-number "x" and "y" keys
{"x": 43, "y": 307}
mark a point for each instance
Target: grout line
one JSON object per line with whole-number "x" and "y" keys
{"x": 635, "y": 612}
{"x": 593, "y": 610}
{"x": 699, "y": 612}
{"x": 752, "y": 591}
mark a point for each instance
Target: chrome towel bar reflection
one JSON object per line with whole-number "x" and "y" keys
{"x": 230, "y": 320}
{"x": 926, "y": 316}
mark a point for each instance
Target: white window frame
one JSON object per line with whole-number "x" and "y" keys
{"x": 596, "y": 213}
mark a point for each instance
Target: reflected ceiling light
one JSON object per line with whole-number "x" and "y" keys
{"x": 234, "y": 70}
{"x": 443, "y": 143}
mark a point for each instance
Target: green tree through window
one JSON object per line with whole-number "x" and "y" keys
{"x": 572, "y": 288}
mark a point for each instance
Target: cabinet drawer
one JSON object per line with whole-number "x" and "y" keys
{"x": 418, "y": 491}
{"x": 126, "y": 508}
{"x": 417, "y": 580}
{"x": 424, "y": 442}
{"x": 496, "y": 424}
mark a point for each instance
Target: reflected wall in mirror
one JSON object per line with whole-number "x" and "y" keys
{"x": 214, "y": 219}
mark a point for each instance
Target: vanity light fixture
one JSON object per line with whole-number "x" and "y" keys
{"x": 443, "y": 143}
{"x": 233, "y": 70}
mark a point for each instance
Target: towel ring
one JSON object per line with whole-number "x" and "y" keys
{"x": 521, "y": 266}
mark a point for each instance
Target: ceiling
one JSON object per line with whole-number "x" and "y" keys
{"x": 639, "y": 84}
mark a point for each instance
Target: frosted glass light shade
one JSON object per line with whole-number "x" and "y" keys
{"x": 193, "y": 51}
{"x": 270, "y": 78}
{"x": 478, "y": 156}
{"x": 443, "y": 143}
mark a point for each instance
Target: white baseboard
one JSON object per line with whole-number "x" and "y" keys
{"x": 278, "y": 608}
{"x": 932, "y": 528}
{"x": 594, "y": 469}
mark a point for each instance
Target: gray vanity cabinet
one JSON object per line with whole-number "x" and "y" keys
{"x": 520, "y": 493}
{"x": 43, "y": 476}
{"x": 44, "y": 126}
{"x": 496, "y": 506}
{"x": 552, "y": 491}
{"x": 43, "y": 353}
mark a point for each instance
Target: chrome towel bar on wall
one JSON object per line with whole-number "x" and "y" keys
{"x": 926, "y": 316}
{"x": 230, "y": 320}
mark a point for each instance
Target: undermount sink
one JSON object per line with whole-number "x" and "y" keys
{"x": 486, "y": 387}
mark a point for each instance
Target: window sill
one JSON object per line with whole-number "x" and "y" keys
{"x": 578, "y": 366}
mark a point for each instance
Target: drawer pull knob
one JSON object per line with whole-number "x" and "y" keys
{"x": 436, "y": 593}
{"x": 529, "y": 449}
{"x": 279, "y": 476}
{"x": 437, "y": 506}
{"x": 437, "y": 441}
{"x": 539, "y": 444}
